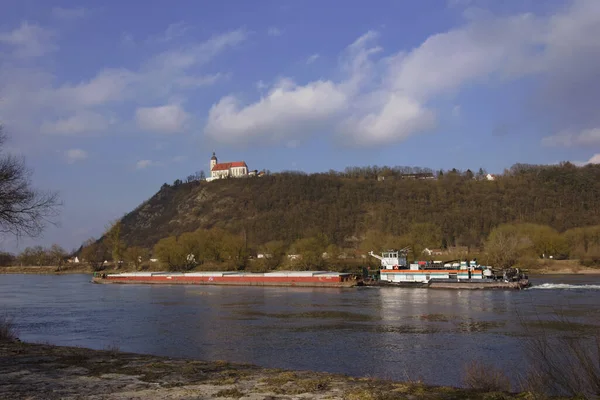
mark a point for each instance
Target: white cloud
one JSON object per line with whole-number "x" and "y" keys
{"x": 69, "y": 13}
{"x": 173, "y": 31}
{"x": 35, "y": 102}
{"x": 391, "y": 98}
{"x": 286, "y": 108}
{"x": 198, "y": 54}
{"x": 587, "y": 137}
{"x": 312, "y": 58}
{"x": 83, "y": 122}
{"x": 74, "y": 155}
{"x": 595, "y": 159}
{"x": 142, "y": 164}
{"x": 289, "y": 109}
{"x": 29, "y": 40}
{"x": 170, "y": 118}
{"x": 273, "y": 31}
{"x": 397, "y": 118}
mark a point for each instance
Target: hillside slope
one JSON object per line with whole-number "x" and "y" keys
{"x": 290, "y": 206}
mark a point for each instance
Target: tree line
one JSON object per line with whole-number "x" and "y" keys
{"x": 291, "y": 206}
{"x": 507, "y": 245}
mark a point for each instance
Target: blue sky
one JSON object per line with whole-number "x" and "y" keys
{"x": 109, "y": 100}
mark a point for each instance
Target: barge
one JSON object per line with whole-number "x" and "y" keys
{"x": 395, "y": 271}
{"x": 277, "y": 278}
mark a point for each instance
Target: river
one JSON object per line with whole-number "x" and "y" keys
{"x": 396, "y": 333}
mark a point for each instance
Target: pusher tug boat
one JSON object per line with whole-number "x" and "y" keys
{"x": 395, "y": 271}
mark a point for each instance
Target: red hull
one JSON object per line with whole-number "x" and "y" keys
{"x": 305, "y": 281}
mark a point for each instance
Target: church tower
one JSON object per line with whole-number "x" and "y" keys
{"x": 213, "y": 162}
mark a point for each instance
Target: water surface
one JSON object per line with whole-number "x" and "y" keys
{"x": 396, "y": 333}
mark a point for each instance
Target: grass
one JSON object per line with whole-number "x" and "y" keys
{"x": 290, "y": 383}
{"x": 232, "y": 393}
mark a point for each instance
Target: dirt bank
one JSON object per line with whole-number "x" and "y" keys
{"x": 46, "y": 270}
{"x": 547, "y": 267}
{"x": 36, "y": 371}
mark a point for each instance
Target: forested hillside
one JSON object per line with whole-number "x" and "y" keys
{"x": 338, "y": 206}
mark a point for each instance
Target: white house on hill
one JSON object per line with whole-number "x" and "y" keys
{"x": 235, "y": 169}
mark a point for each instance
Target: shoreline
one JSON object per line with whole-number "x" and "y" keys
{"x": 41, "y": 371}
{"x": 52, "y": 270}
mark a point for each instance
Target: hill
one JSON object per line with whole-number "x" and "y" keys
{"x": 341, "y": 206}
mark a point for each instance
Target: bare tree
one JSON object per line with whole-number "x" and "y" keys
{"x": 24, "y": 211}
{"x": 57, "y": 255}
{"x": 94, "y": 253}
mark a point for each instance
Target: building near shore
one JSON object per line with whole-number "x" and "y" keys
{"x": 232, "y": 169}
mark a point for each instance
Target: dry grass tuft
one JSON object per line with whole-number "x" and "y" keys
{"x": 485, "y": 378}
{"x": 230, "y": 393}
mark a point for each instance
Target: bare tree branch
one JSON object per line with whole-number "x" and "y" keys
{"x": 24, "y": 211}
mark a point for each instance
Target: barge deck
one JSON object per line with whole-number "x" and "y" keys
{"x": 280, "y": 278}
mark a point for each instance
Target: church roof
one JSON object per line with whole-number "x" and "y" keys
{"x": 226, "y": 166}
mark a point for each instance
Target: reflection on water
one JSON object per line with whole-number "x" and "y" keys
{"x": 394, "y": 333}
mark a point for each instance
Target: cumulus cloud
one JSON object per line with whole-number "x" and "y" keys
{"x": 395, "y": 119}
{"x": 83, "y": 122}
{"x": 170, "y": 118}
{"x": 587, "y": 137}
{"x": 29, "y": 40}
{"x": 74, "y": 155}
{"x": 595, "y": 159}
{"x": 288, "y": 108}
{"x": 34, "y": 101}
{"x": 388, "y": 99}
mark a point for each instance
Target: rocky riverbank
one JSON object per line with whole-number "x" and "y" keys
{"x": 38, "y": 371}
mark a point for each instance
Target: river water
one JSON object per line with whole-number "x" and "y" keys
{"x": 397, "y": 333}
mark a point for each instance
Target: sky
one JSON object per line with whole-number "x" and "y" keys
{"x": 109, "y": 100}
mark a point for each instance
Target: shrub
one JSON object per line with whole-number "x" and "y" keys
{"x": 487, "y": 378}
{"x": 7, "y": 330}
{"x": 565, "y": 365}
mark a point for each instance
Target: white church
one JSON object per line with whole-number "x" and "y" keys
{"x": 234, "y": 169}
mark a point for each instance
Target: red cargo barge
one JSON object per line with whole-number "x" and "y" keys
{"x": 278, "y": 278}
